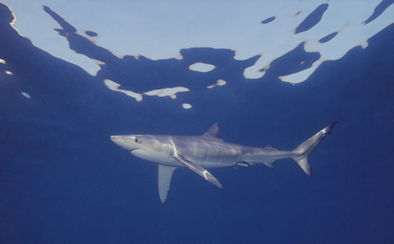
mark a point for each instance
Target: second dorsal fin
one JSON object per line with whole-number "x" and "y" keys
{"x": 213, "y": 131}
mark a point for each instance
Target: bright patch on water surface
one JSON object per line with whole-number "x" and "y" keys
{"x": 201, "y": 67}
{"x": 156, "y": 40}
{"x": 187, "y": 106}
{"x": 167, "y": 92}
{"x": 112, "y": 85}
{"x": 26, "y": 95}
{"x": 219, "y": 82}
{"x": 164, "y": 92}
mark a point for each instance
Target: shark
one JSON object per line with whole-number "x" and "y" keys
{"x": 200, "y": 153}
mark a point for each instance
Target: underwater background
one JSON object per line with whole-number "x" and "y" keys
{"x": 63, "y": 181}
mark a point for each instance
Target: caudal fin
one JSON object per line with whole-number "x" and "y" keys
{"x": 307, "y": 147}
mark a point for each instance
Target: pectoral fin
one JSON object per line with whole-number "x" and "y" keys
{"x": 164, "y": 180}
{"x": 198, "y": 170}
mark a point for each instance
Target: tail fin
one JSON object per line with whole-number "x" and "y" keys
{"x": 307, "y": 147}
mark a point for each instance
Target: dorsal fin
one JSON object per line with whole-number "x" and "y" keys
{"x": 213, "y": 131}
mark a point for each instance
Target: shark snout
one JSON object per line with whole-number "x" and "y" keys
{"x": 123, "y": 141}
{"x": 114, "y": 138}
{"x": 117, "y": 140}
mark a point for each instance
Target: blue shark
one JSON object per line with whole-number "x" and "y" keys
{"x": 200, "y": 153}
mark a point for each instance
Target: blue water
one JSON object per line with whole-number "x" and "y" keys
{"x": 63, "y": 181}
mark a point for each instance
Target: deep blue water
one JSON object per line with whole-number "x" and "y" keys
{"x": 63, "y": 181}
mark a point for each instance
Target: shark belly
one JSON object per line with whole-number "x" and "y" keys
{"x": 156, "y": 157}
{"x": 206, "y": 163}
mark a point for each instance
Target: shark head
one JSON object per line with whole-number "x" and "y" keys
{"x": 147, "y": 147}
{"x": 128, "y": 142}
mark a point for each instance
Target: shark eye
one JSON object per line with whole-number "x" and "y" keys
{"x": 137, "y": 140}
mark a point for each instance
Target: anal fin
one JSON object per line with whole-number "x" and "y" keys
{"x": 270, "y": 164}
{"x": 242, "y": 163}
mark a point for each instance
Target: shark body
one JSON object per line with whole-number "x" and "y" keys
{"x": 199, "y": 153}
